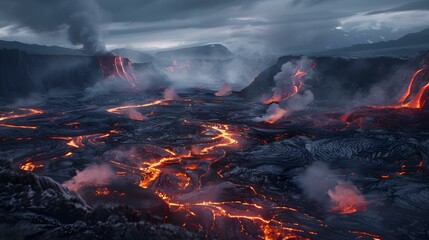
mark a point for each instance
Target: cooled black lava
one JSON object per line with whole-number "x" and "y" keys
{"x": 201, "y": 162}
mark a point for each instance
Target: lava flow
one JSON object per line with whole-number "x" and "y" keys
{"x": 23, "y": 112}
{"x": 295, "y": 86}
{"x": 119, "y": 110}
{"x": 113, "y": 66}
{"x": 30, "y": 166}
{"x": 420, "y": 98}
{"x": 410, "y": 100}
{"x": 414, "y": 98}
{"x": 181, "y": 177}
{"x": 79, "y": 141}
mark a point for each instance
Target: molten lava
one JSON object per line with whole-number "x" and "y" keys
{"x": 414, "y": 98}
{"x": 79, "y": 141}
{"x": 119, "y": 110}
{"x": 178, "y": 172}
{"x": 30, "y": 166}
{"x": 21, "y": 113}
{"x": 117, "y": 67}
{"x": 420, "y": 98}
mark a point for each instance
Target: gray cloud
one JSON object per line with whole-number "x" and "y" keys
{"x": 268, "y": 26}
{"x": 417, "y": 5}
{"x": 81, "y": 17}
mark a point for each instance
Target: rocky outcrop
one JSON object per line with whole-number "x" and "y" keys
{"x": 22, "y": 73}
{"x": 335, "y": 80}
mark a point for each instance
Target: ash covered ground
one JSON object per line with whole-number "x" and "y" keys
{"x": 194, "y": 165}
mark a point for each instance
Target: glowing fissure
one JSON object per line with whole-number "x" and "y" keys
{"x": 186, "y": 167}
{"x": 119, "y": 110}
{"x": 79, "y": 141}
{"x": 25, "y": 112}
{"x": 185, "y": 164}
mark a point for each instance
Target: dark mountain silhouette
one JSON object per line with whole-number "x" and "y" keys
{"x": 335, "y": 79}
{"x": 410, "y": 44}
{"x": 134, "y": 55}
{"x": 213, "y": 51}
{"x": 39, "y": 49}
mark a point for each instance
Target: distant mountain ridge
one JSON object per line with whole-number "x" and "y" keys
{"x": 212, "y": 51}
{"x": 134, "y": 55}
{"x": 39, "y": 49}
{"x": 410, "y": 44}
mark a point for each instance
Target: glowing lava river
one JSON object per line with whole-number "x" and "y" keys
{"x": 201, "y": 167}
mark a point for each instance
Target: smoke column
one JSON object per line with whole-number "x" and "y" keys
{"x": 84, "y": 25}
{"x": 81, "y": 18}
{"x": 323, "y": 185}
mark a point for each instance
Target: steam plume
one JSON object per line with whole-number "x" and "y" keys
{"x": 135, "y": 115}
{"x": 291, "y": 78}
{"x": 273, "y": 114}
{"x": 321, "y": 184}
{"x": 295, "y": 103}
{"x": 346, "y": 198}
{"x": 170, "y": 94}
{"x": 91, "y": 175}
{"x": 224, "y": 90}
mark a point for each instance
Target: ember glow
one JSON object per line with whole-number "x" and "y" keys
{"x": 30, "y": 166}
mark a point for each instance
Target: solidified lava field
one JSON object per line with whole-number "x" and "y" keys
{"x": 136, "y": 165}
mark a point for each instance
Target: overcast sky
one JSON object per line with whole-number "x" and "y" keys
{"x": 266, "y": 26}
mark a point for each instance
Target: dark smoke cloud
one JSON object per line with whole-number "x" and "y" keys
{"x": 84, "y": 26}
{"x": 82, "y": 19}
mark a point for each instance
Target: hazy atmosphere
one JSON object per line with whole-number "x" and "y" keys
{"x": 226, "y": 120}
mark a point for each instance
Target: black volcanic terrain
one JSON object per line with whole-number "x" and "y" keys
{"x": 312, "y": 148}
